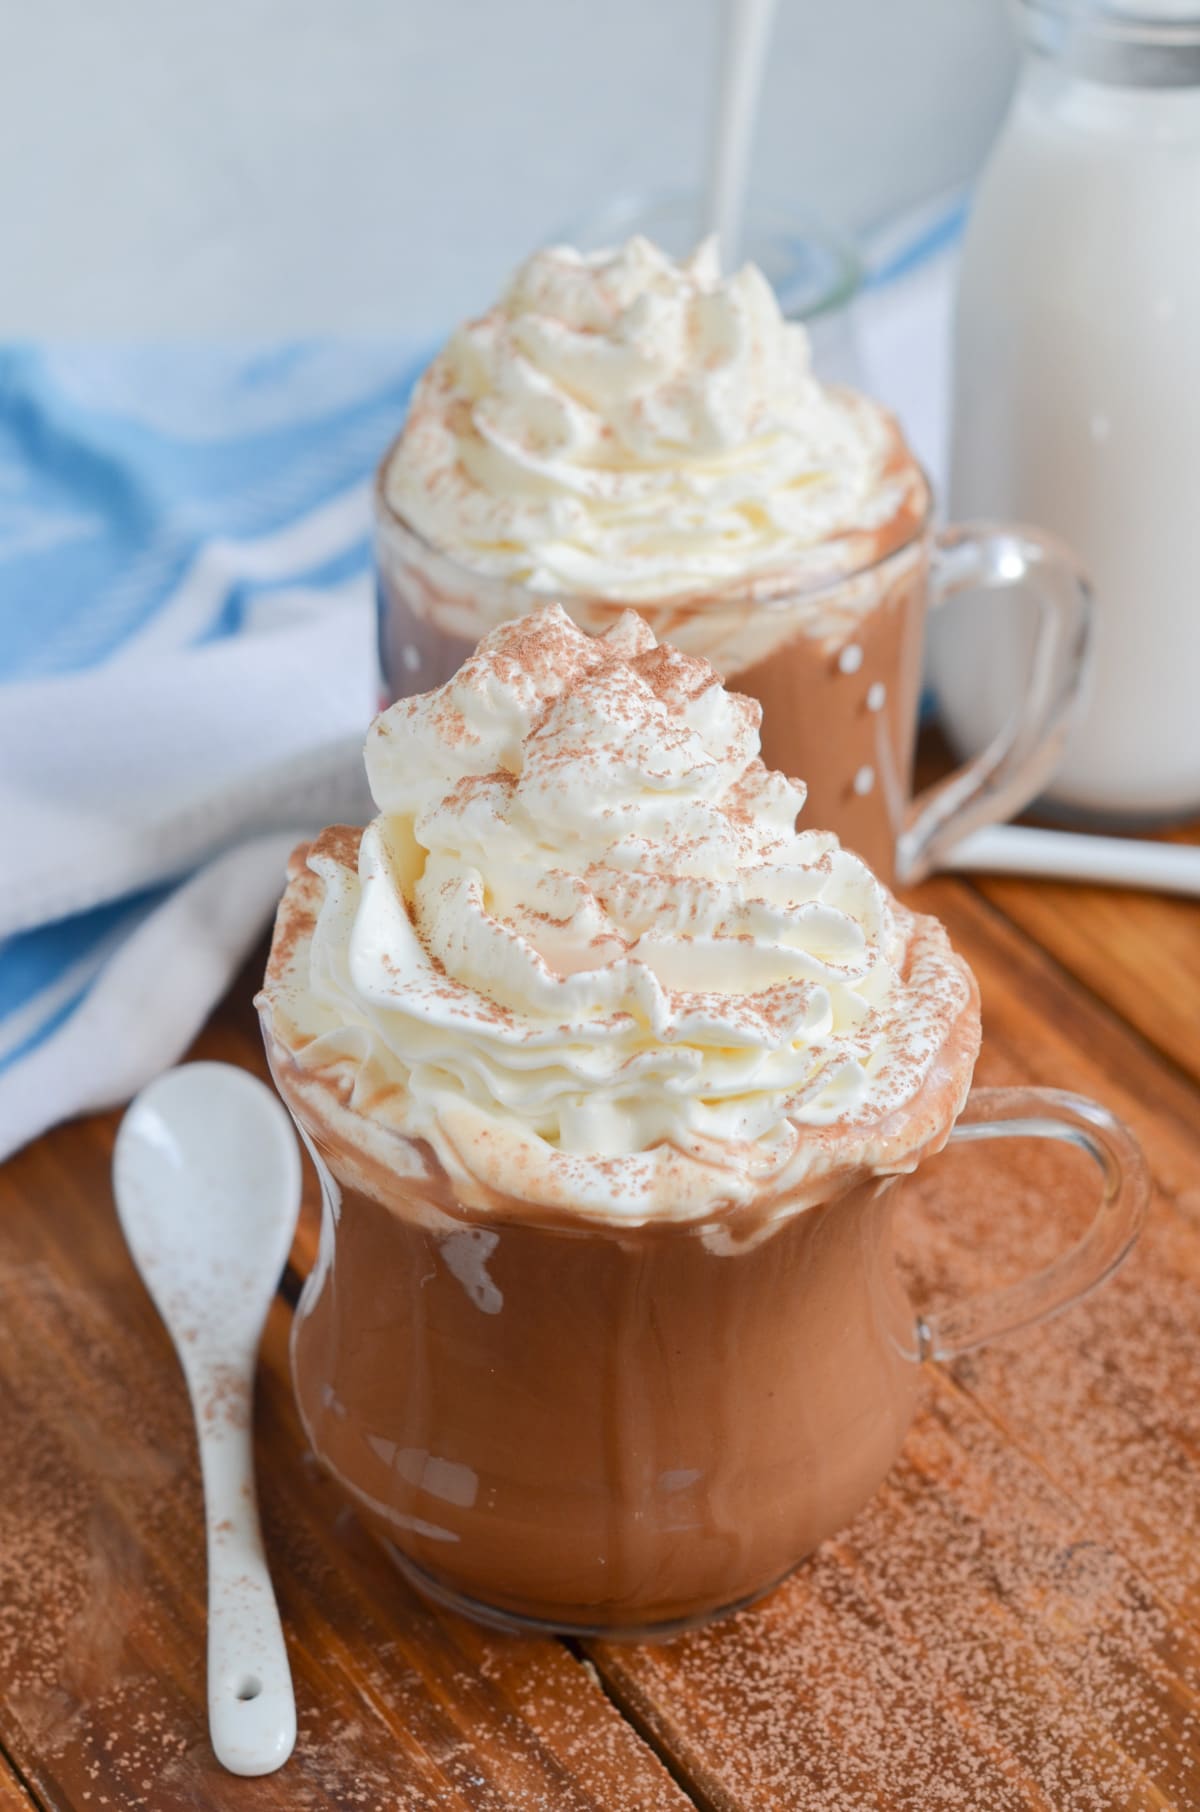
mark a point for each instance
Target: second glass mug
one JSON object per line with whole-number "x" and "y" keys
{"x": 836, "y": 665}
{"x": 572, "y": 1426}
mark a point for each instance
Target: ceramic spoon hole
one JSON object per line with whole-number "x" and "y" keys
{"x": 249, "y": 1688}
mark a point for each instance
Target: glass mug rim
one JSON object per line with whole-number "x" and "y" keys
{"x": 782, "y": 590}
{"x": 1088, "y": 1126}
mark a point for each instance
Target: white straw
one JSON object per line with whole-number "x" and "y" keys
{"x": 1015, "y": 849}
{"x": 743, "y": 58}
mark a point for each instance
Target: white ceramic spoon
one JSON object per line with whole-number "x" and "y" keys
{"x": 206, "y": 1174}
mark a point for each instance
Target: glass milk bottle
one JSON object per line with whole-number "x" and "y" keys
{"x": 1077, "y": 390}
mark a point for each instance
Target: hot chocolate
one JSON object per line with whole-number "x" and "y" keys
{"x": 621, "y": 429}
{"x": 596, "y": 1426}
{"x": 608, "y": 1070}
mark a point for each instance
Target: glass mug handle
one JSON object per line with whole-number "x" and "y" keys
{"x": 1047, "y": 1113}
{"x": 1021, "y": 757}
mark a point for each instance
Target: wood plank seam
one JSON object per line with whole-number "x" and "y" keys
{"x": 641, "y": 1728}
{"x": 22, "y": 1788}
{"x": 641, "y": 1718}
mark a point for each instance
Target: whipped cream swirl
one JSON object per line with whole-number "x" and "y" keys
{"x": 588, "y": 957}
{"x": 620, "y": 426}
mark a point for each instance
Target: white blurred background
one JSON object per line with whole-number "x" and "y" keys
{"x": 290, "y": 166}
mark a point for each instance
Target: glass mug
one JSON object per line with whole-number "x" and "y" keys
{"x": 836, "y": 666}
{"x": 569, "y": 1425}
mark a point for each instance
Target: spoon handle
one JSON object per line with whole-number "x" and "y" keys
{"x": 251, "y": 1704}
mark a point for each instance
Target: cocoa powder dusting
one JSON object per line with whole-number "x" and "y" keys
{"x": 78, "y": 1613}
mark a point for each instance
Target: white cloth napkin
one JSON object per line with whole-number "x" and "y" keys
{"x": 204, "y": 763}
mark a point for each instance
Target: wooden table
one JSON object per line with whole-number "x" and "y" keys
{"x": 1013, "y": 1622}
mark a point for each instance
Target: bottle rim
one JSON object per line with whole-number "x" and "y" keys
{"x": 1140, "y": 43}
{"x": 1147, "y": 21}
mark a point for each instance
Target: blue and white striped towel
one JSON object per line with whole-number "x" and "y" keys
{"x": 187, "y": 661}
{"x": 186, "y": 666}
